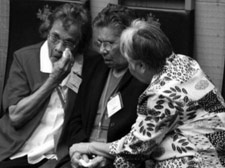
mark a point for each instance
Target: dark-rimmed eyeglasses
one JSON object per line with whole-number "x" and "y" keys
{"x": 55, "y": 39}
{"x": 108, "y": 45}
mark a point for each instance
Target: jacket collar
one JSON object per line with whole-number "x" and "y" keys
{"x": 45, "y": 62}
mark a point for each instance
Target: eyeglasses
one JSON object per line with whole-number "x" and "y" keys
{"x": 108, "y": 45}
{"x": 55, "y": 39}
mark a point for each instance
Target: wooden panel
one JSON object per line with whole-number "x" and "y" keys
{"x": 223, "y": 86}
{"x": 210, "y": 38}
{"x": 97, "y": 6}
{"x": 178, "y": 25}
{"x": 4, "y": 27}
{"x": 172, "y": 4}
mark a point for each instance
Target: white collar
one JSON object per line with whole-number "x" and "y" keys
{"x": 45, "y": 62}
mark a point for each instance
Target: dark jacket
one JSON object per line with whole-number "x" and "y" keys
{"x": 95, "y": 74}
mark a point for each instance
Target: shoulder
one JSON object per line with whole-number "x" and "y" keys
{"x": 92, "y": 57}
{"x": 26, "y": 59}
{"x": 92, "y": 61}
{"x": 181, "y": 67}
{"x": 28, "y": 50}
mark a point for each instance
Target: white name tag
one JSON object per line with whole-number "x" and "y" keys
{"x": 74, "y": 82}
{"x": 114, "y": 105}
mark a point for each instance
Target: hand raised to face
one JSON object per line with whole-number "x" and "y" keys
{"x": 62, "y": 67}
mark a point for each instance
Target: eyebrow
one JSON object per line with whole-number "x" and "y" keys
{"x": 103, "y": 41}
{"x": 68, "y": 40}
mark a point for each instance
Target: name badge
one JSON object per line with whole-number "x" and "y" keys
{"x": 74, "y": 82}
{"x": 114, "y": 104}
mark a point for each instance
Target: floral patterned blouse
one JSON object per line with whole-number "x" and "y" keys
{"x": 180, "y": 114}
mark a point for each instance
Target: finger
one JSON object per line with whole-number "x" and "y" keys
{"x": 74, "y": 166}
{"x": 76, "y": 156}
{"x": 103, "y": 162}
{"x": 66, "y": 56}
{"x": 71, "y": 150}
{"x": 75, "y": 159}
{"x": 96, "y": 161}
{"x": 69, "y": 64}
{"x": 69, "y": 54}
{"x": 85, "y": 158}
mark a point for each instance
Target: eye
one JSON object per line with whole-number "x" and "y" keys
{"x": 69, "y": 44}
{"x": 54, "y": 38}
{"x": 109, "y": 42}
{"x": 97, "y": 43}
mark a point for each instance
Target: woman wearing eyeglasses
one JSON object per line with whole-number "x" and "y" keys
{"x": 36, "y": 93}
{"x": 105, "y": 108}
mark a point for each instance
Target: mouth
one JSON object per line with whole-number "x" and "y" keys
{"x": 55, "y": 57}
{"x": 107, "y": 61}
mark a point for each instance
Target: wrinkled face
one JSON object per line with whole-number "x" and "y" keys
{"x": 59, "y": 39}
{"x": 107, "y": 42}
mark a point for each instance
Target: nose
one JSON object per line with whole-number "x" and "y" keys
{"x": 102, "y": 50}
{"x": 59, "y": 47}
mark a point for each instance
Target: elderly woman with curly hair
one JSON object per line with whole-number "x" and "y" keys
{"x": 36, "y": 92}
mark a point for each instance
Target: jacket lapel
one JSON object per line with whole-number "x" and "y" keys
{"x": 125, "y": 79}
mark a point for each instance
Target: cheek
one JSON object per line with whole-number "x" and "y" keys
{"x": 116, "y": 53}
{"x": 133, "y": 73}
{"x": 131, "y": 66}
{"x": 122, "y": 59}
{"x": 50, "y": 49}
{"x": 131, "y": 69}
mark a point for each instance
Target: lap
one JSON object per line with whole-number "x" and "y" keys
{"x": 20, "y": 163}
{"x": 64, "y": 162}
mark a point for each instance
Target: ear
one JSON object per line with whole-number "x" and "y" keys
{"x": 141, "y": 67}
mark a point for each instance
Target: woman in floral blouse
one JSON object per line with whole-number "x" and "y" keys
{"x": 181, "y": 115}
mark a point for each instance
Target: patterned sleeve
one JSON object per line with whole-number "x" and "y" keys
{"x": 157, "y": 115}
{"x": 182, "y": 97}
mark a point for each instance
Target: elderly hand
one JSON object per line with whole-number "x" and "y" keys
{"x": 78, "y": 151}
{"x": 79, "y": 156}
{"x": 62, "y": 67}
{"x": 81, "y": 160}
{"x": 79, "y": 147}
{"x": 76, "y": 158}
{"x": 98, "y": 161}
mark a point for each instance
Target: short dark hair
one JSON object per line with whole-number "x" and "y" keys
{"x": 70, "y": 13}
{"x": 146, "y": 41}
{"x": 115, "y": 15}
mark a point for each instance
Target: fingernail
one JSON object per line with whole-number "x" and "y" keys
{"x": 65, "y": 53}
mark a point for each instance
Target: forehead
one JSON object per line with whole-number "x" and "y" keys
{"x": 71, "y": 31}
{"x": 108, "y": 33}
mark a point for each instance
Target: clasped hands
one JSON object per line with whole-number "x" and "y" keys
{"x": 81, "y": 156}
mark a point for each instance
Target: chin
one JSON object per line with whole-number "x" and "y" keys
{"x": 140, "y": 79}
{"x": 54, "y": 59}
{"x": 109, "y": 65}
{"x": 144, "y": 81}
